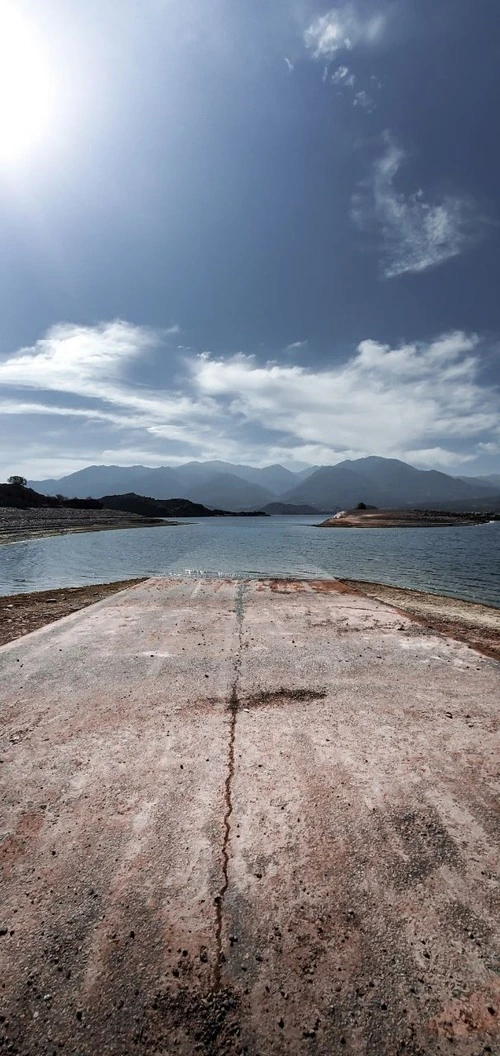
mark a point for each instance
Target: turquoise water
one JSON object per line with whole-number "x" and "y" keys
{"x": 461, "y": 562}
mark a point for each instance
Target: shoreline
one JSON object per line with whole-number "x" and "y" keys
{"x": 28, "y": 534}
{"x": 476, "y": 624}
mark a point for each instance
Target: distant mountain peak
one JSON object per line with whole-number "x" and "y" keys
{"x": 378, "y": 481}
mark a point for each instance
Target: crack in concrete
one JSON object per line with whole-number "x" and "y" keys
{"x": 234, "y": 705}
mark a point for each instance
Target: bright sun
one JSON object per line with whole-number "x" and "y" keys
{"x": 25, "y": 86}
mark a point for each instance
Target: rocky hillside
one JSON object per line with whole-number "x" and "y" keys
{"x": 19, "y": 497}
{"x": 149, "y": 507}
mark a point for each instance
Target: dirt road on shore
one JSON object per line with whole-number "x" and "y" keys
{"x": 252, "y": 818}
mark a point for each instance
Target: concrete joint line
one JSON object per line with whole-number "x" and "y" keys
{"x": 233, "y": 708}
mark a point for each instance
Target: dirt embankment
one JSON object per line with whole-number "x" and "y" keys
{"x": 401, "y": 519}
{"x": 477, "y": 625}
{"x": 34, "y": 523}
{"x": 22, "y": 613}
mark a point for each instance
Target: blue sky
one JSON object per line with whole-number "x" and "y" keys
{"x": 252, "y": 231}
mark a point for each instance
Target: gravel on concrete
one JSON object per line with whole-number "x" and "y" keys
{"x": 254, "y": 817}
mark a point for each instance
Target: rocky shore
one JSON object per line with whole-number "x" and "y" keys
{"x": 36, "y": 522}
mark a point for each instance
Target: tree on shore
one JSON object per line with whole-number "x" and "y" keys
{"x": 15, "y": 479}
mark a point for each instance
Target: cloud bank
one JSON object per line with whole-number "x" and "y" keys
{"x": 91, "y": 363}
{"x": 425, "y": 402}
{"x": 383, "y": 400}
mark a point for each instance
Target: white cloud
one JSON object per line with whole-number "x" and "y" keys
{"x": 437, "y": 458}
{"x": 489, "y": 447}
{"x": 296, "y": 346}
{"x": 77, "y": 358}
{"x": 48, "y": 410}
{"x": 343, "y": 28}
{"x": 424, "y": 402}
{"x": 346, "y": 82}
{"x": 382, "y": 400}
{"x": 91, "y": 363}
{"x": 416, "y": 234}
{"x": 364, "y": 101}
{"x": 343, "y": 76}
{"x": 290, "y": 65}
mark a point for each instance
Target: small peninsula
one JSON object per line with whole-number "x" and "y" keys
{"x": 373, "y": 518}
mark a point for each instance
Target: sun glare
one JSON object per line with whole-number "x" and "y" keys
{"x": 25, "y": 86}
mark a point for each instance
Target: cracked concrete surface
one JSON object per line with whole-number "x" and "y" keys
{"x": 233, "y": 706}
{"x": 252, "y": 818}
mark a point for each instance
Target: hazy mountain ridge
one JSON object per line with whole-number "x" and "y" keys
{"x": 492, "y": 479}
{"x": 382, "y": 482}
{"x": 377, "y": 481}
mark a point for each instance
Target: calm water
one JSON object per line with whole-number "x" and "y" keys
{"x": 462, "y": 562}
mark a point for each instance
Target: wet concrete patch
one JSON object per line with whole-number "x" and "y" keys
{"x": 466, "y": 924}
{"x": 425, "y": 844}
{"x": 299, "y": 586}
{"x": 186, "y": 1020}
{"x": 15, "y": 845}
{"x": 276, "y": 698}
{"x": 287, "y": 586}
{"x": 477, "y": 1017}
{"x": 329, "y": 586}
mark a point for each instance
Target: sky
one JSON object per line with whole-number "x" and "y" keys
{"x": 264, "y": 231}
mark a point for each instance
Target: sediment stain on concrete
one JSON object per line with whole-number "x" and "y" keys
{"x": 276, "y": 698}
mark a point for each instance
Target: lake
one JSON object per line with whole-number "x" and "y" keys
{"x": 462, "y": 562}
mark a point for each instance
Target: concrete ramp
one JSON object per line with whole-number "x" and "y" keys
{"x": 256, "y": 817}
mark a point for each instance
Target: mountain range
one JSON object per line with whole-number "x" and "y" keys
{"x": 382, "y": 482}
